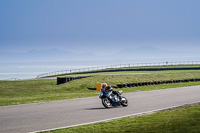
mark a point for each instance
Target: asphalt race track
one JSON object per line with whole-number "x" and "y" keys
{"x": 66, "y": 113}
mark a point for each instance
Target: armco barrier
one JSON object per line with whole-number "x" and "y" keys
{"x": 143, "y": 69}
{"x": 62, "y": 80}
{"x": 116, "y": 68}
{"x": 154, "y": 83}
{"x": 151, "y": 83}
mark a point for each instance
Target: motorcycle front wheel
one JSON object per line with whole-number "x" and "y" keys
{"x": 106, "y": 102}
{"x": 124, "y": 102}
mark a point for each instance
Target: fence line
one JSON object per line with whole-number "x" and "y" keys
{"x": 117, "y": 66}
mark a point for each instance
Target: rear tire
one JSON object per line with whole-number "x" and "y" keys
{"x": 106, "y": 102}
{"x": 124, "y": 102}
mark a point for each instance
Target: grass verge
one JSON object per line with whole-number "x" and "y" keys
{"x": 180, "y": 120}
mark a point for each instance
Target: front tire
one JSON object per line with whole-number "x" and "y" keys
{"x": 124, "y": 102}
{"x": 106, "y": 102}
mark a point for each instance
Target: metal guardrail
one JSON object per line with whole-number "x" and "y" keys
{"x": 62, "y": 72}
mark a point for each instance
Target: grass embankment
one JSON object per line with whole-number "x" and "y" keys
{"x": 98, "y": 72}
{"x": 160, "y": 66}
{"x": 181, "y": 120}
{"x": 29, "y": 91}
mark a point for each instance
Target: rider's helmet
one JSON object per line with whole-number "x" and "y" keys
{"x": 104, "y": 85}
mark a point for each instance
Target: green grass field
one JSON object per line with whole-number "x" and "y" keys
{"x": 30, "y": 91}
{"x": 181, "y": 120}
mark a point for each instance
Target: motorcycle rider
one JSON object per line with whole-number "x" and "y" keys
{"x": 106, "y": 88}
{"x": 111, "y": 98}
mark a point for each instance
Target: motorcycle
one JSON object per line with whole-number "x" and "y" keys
{"x": 113, "y": 98}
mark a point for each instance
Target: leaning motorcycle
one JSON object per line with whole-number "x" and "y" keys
{"x": 110, "y": 99}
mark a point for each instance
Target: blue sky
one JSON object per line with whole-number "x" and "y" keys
{"x": 99, "y": 25}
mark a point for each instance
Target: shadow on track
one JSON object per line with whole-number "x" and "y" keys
{"x": 114, "y": 107}
{"x": 96, "y": 108}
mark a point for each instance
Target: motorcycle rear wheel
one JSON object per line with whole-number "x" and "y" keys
{"x": 124, "y": 102}
{"x": 106, "y": 102}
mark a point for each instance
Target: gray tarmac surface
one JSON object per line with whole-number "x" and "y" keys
{"x": 66, "y": 113}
